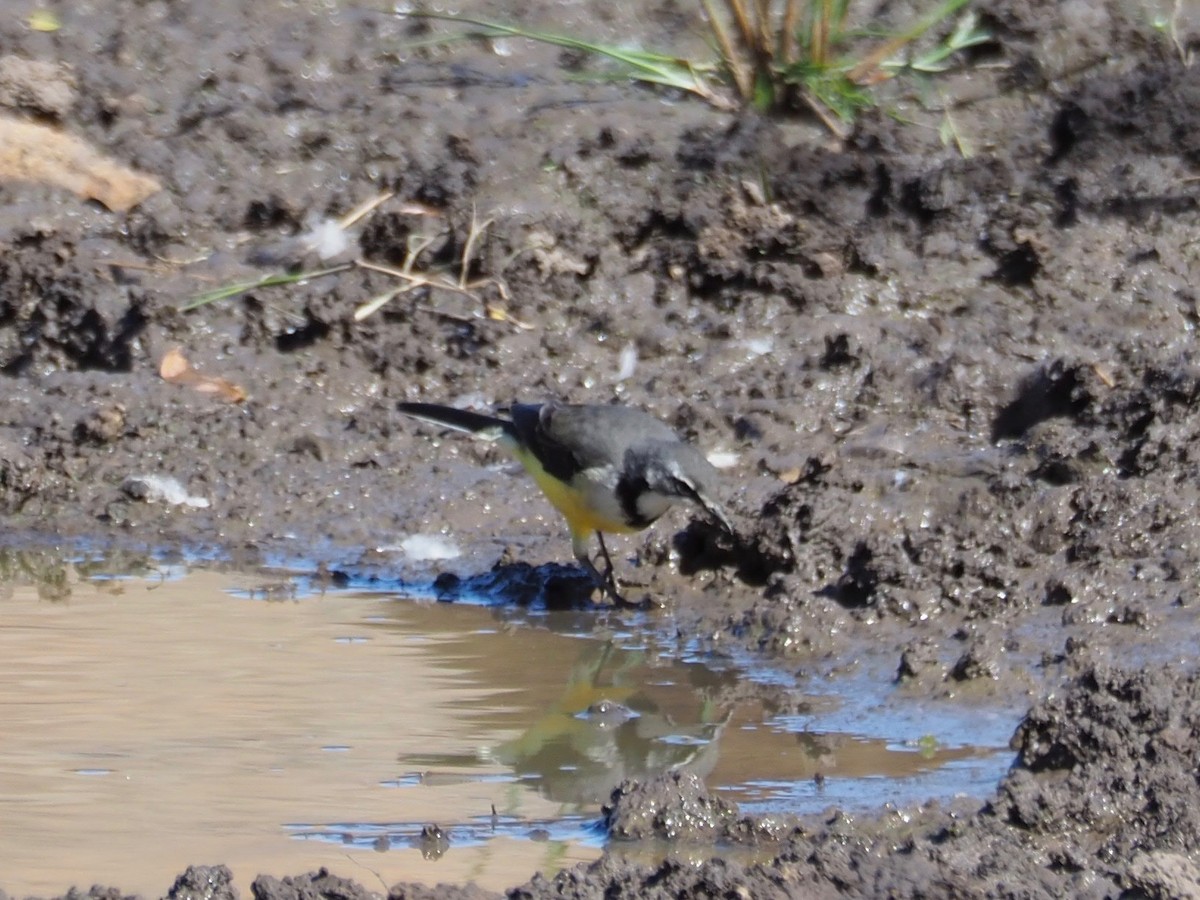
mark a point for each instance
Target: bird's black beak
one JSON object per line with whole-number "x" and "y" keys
{"x": 717, "y": 514}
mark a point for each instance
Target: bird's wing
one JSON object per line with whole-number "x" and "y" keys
{"x": 568, "y": 439}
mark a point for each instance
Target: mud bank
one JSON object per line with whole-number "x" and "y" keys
{"x": 958, "y": 380}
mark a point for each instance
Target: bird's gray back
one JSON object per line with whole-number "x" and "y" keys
{"x": 569, "y": 438}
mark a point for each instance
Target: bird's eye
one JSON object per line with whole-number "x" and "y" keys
{"x": 684, "y": 488}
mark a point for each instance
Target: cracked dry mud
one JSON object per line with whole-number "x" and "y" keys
{"x": 962, "y": 390}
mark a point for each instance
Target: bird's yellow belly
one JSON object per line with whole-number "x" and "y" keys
{"x": 582, "y": 513}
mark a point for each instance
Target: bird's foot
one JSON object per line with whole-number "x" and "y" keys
{"x": 608, "y": 586}
{"x": 606, "y": 581}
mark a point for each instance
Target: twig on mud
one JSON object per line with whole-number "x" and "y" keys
{"x": 412, "y": 277}
{"x": 827, "y": 117}
{"x": 354, "y": 860}
{"x": 415, "y": 280}
{"x": 949, "y": 133}
{"x": 1105, "y": 376}
{"x": 160, "y": 265}
{"x": 281, "y": 278}
{"x": 1185, "y": 54}
{"x": 743, "y": 79}
{"x": 473, "y": 234}
{"x": 364, "y": 209}
{"x": 436, "y": 280}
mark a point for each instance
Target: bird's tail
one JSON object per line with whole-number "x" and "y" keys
{"x": 489, "y": 428}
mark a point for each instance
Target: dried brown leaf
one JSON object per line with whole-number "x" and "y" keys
{"x": 47, "y": 155}
{"x": 175, "y": 369}
{"x": 174, "y": 365}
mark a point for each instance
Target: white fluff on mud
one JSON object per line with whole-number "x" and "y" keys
{"x": 161, "y": 489}
{"x": 429, "y": 547}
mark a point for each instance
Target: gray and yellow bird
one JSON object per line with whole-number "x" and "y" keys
{"x": 605, "y": 468}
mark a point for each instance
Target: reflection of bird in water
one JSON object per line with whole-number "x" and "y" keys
{"x": 598, "y": 734}
{"x": 433, "y": 842}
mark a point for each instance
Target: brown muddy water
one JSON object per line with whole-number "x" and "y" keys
{"x": 156, "y": 716}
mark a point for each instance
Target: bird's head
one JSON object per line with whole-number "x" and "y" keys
{"x": 681, "y": 471}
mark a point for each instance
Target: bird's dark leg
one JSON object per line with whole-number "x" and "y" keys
{"x": 609, "y": 579}
{"x": 605, "y": 580}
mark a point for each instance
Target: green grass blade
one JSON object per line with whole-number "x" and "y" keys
{"x": 945, "y": 11}
{"x": 657, "y": 68}
{"x": 233, "y": 290}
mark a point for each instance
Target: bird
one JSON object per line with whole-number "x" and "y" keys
{"x": 612, "y": 469}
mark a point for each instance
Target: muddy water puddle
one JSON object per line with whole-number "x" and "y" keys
{"x": 156, "y": 716}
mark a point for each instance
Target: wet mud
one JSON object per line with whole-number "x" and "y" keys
{"x": 955, "y": 379}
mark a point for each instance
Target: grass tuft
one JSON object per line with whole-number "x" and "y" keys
{"x": 773, "y": 54}
{"x": 804, "y": 50}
